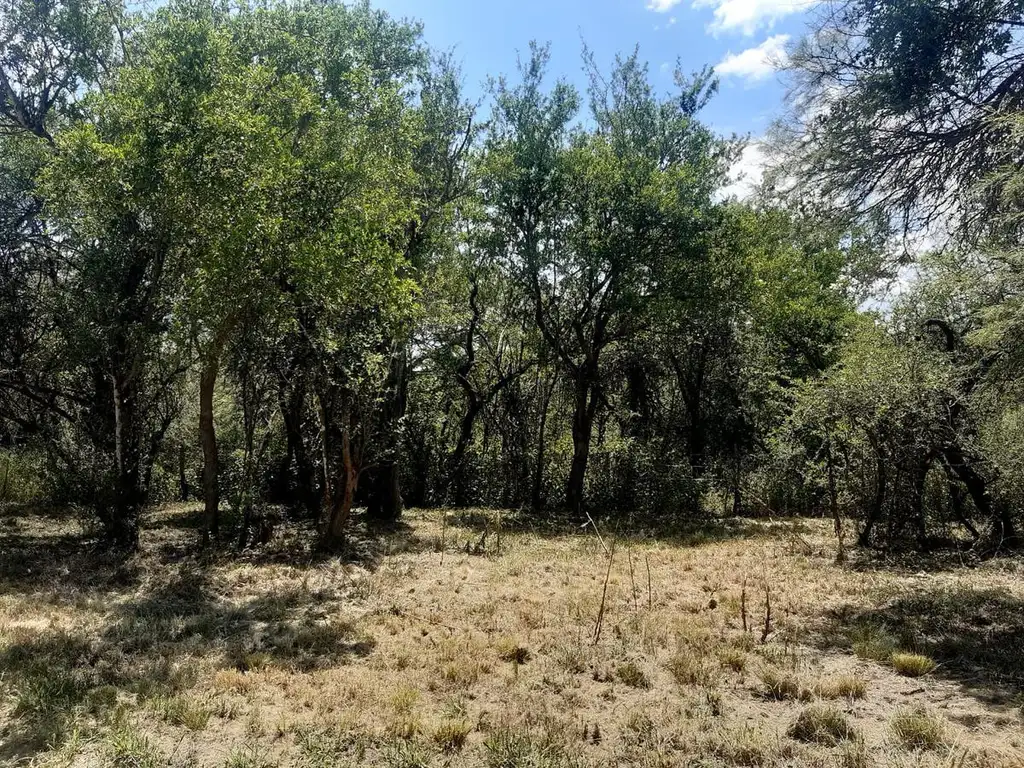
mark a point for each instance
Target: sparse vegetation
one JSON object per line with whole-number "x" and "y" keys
{"x": 916, "y": 728}
{"x": 822, "y": 724}
{"x": 911, "y": 664}
{"x": 632, "y": 675}
{"x": 209, "y": 658}
{"x": 352, "y": 413}
{"x": 841, "y": 687}
{"x": 782, "y": 685}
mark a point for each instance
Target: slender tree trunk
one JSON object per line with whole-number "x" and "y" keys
{"x": 343, "y": 482}
{"x": 582, "y": 431}
{"x": 293, "y": 406}
{"x": 457, "y": 463}
{"x": 956, "y": 500}
{"x": 208, "y": 440}
{"x": 122, "y": 521}
{"x": 875, "y": 513}
{"x": 1003, "y": 531}
{"x": 183, "y": 489}
{"x": 537, "y": 495}
{"x": 384, "y": 498}
{"x": 920, "y": 478}
{"x": 207, "y": 431}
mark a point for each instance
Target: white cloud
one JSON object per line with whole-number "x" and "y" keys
{"x": 755, "y": 63}
{"x": 662, "y": 6}
{"x": 746, "y": 173}
{"x": 743, "y": 15}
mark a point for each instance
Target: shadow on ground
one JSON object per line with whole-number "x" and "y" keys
{"x": 159, "y": 616}
{"x": 676, "y": 532}
{"x": 975, "y": 634}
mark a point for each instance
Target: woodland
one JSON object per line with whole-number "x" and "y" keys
{"x": 267, "y": 258}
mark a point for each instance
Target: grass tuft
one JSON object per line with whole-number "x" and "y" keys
{"x": 783, "y": 686}
{"x": 632, "y": 675}
{"x": 917, "y": 729}
{"x": 821, "y": 724}
{"x": 733, "y": 658}
{"x": 841, "y": 687}
{"x": 450, "y": 736}
{"x": 689, "y": 669}
{"x": 911, "y": 664}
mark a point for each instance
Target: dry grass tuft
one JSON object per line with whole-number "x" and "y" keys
{"x": 688, "y": 668}
{"x": 911, "y": 664}
{"x": 916, "y": 728}
{"x": 733, "y": 658}
{"x": 841, "y": 687}
{"x": 510, "y": 650}
{"x": 450, "y": 736}
{"x": 632, "y": 675}
{"x": 783, "y": 686}
{"x": 873, "y": 643}
{"x": 822, "y": 724}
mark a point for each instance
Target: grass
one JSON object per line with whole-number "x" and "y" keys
{"x": 632, "y": 675}
{"x": 911, "y": 664}
{"x": 183, "y": 711}
{"x": 822, "y": 724}
{"x": 916, "y": 728}
{"x": 689, "y": 668}
{"x": 782, "y": 685}
{"x": 450, "y": 736}
{"x": 841, "y": 687}
{"x": 389, "y": 657}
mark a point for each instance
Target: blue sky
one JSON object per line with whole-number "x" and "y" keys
{"x": 733, "y": 35}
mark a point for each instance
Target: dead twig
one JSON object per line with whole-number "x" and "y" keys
{"x": 597, "y": 532}
{"x": 767, "y": 614}
{"x": 743, "y": 606}
{"x": 650, "y": 597}
{"x": 604, "y": 594}
{"x": 632, "y": 581}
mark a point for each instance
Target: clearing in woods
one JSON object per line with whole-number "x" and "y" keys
{"x": 487, "y": 656}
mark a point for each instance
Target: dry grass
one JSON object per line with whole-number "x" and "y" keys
{"x": 392, "y": 658}
{"x": 911, "y": 664}
{"x": 916, "y": 728}
{"x": 822, "y": 724}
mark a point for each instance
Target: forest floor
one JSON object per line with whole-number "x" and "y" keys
{"x": 487, "y": 656}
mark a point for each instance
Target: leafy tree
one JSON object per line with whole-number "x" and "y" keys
{"x": 894, "y": 107}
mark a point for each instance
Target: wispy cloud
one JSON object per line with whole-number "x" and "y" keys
{"x": 746, "y": 16}
{"x": 755, "y": 63}
{"x": 745, "y": 176}
{"x": 662, "y": 6}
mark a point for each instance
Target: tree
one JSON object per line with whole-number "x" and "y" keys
{"x": 895, "y": 108}
{"x": 590, "y": 218}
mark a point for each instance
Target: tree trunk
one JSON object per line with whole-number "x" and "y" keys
{"x": 537, "y": 494}
{"x": 875, "y": 513}
{"x": 343, "y": 489}
{"x": 384, "y": 502}
{"x": 457, "y": 464}
{"x": 582, "y": 430}
{"x": 183, "y": 489}
{"x": 121, "y": 522}
{"x": 208, "y": 439}
{"x": 919, "y": 479}
{"x": 1003, "y": 532}
{"x": 292, "y": 408}
{"x": 207, "y": 432}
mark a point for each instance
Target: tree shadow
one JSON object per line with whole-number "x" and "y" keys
{"x": 64, "y": 563}
{"x": 973, "y": 633}
{"x": 158, "y": 629}
{"x": 686, "y": 532}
